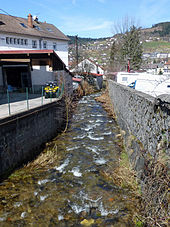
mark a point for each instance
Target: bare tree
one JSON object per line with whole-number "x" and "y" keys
{"x": 126, "y": 46}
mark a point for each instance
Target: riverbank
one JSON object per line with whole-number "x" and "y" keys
{"x": 123, "y": 176}
{"x": 152, "y": 187}
{"x": 71, "y": 187}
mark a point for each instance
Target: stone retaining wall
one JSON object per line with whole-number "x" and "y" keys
{"x": 145, "y": 121}
{"x": 22, "y": 135}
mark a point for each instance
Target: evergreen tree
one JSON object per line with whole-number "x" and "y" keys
{"x": 132, "y": 48}
{"x": 113, "y": 53}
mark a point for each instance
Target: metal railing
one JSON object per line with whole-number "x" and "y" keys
{"x": 18, "y": 100}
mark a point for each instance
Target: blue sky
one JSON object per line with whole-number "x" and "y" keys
{"x": 90, "y": 18}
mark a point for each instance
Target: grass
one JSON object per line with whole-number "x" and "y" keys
{"x": 156, "y": 46}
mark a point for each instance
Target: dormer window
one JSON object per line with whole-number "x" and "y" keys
{"x": 49, "y": 30}
{"x": 2, "y": 23}
{"x": 38, "y": 28}
{"x": 23, "y": 25}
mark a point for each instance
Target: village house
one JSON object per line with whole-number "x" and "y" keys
{"x": 167, "y": 68}
{"x": 18, "y": 33}
{"x": 88, "y": 65}
{"x": 31, "y": 53}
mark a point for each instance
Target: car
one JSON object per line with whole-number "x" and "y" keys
{"x": 132, "y": 85}
{"x": 51, "y": 89}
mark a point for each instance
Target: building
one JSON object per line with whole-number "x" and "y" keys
{"x": 32, "y": 69}
{"x": 167, "y": 68}
{"x": 18, "y": 33}
{"x": 153, "y": 85}
{"x": 88, "y": 66}
{"x": 31, "y": 54}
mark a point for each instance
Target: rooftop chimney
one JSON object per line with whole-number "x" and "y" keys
{"x": 30, "y": 24}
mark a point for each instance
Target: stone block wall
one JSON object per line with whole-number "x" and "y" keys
{"x": 145, "y": 121}
{"x": 22, "y": 135}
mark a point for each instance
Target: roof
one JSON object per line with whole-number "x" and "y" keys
{"x": 12, "y": 24}
{"x": 76, "y": 79}
{"x": 168, "y": 62}
{"x": 91, "y": 74}
{"x": 26, "y": 51}
{"x": 34, "y": 56}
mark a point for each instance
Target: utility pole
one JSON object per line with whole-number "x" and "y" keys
{"x": 76, "y": 42}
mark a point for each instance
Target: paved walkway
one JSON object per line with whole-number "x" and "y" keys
{"x": 20, "y": 106}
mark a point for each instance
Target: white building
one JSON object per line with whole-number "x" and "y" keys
{"x": 153, "y": 85}
{"x": 32, "y": 69}
{"x": 18, "y": 33}
{"x": 88, "y": 65}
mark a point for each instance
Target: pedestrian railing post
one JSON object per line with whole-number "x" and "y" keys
{"x": 57, "y": 94}
{"x": 8, "y": 97}
{"x": 42, "y": 93}
{"x": 50, "y": 97}
{"x": 27, "y": 98}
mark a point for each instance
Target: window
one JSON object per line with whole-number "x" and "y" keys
{"x": 168, "y": 86}
{"x": 34, "y": 44}
{"x": 2, "y": 23}
{"x": 124, "y": 78}
{"x": 16, "y": 41}
{"x": 11, "y": 40}
{"x": 23, "y": 25}
{"x": 54, "y": 46}
{"x": 38, "y": 28}
{"x": 49, "y": 30}
{"x": 45, "y": 44}
{"x": 26, "y": 42}
{"x": 7, "y": 40}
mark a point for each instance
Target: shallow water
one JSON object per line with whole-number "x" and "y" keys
{"x": 72, "y": 190}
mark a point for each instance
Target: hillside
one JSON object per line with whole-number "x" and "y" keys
{"x": 154, "y": 39}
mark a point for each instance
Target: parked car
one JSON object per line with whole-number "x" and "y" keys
{"x": 51, "y": 89}
{"x": 132, "y": 85}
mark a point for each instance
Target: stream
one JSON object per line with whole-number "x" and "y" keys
{"x": 72, "y": 190}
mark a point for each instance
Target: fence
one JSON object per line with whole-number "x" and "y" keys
{"x": 14, "y": 101}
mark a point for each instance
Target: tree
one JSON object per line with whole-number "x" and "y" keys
{"x": 132, "y": 48}
{"x": 126, "y": 47}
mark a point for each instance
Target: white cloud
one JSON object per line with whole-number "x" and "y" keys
{"x": 86, "y": 25}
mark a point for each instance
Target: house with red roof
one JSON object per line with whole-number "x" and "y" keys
{"x": 167, "y": 68}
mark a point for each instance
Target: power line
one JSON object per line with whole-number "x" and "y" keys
{"x": 11, "y": 15}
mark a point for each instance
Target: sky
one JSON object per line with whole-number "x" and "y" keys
{"x": 90, "y": 18}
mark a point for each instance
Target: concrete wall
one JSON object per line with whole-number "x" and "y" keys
{"x": 63, "y": 76}
{"x": 22, "y": 135}
{"x": 40, "y": 75}
{"x": 143, "y": 121}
